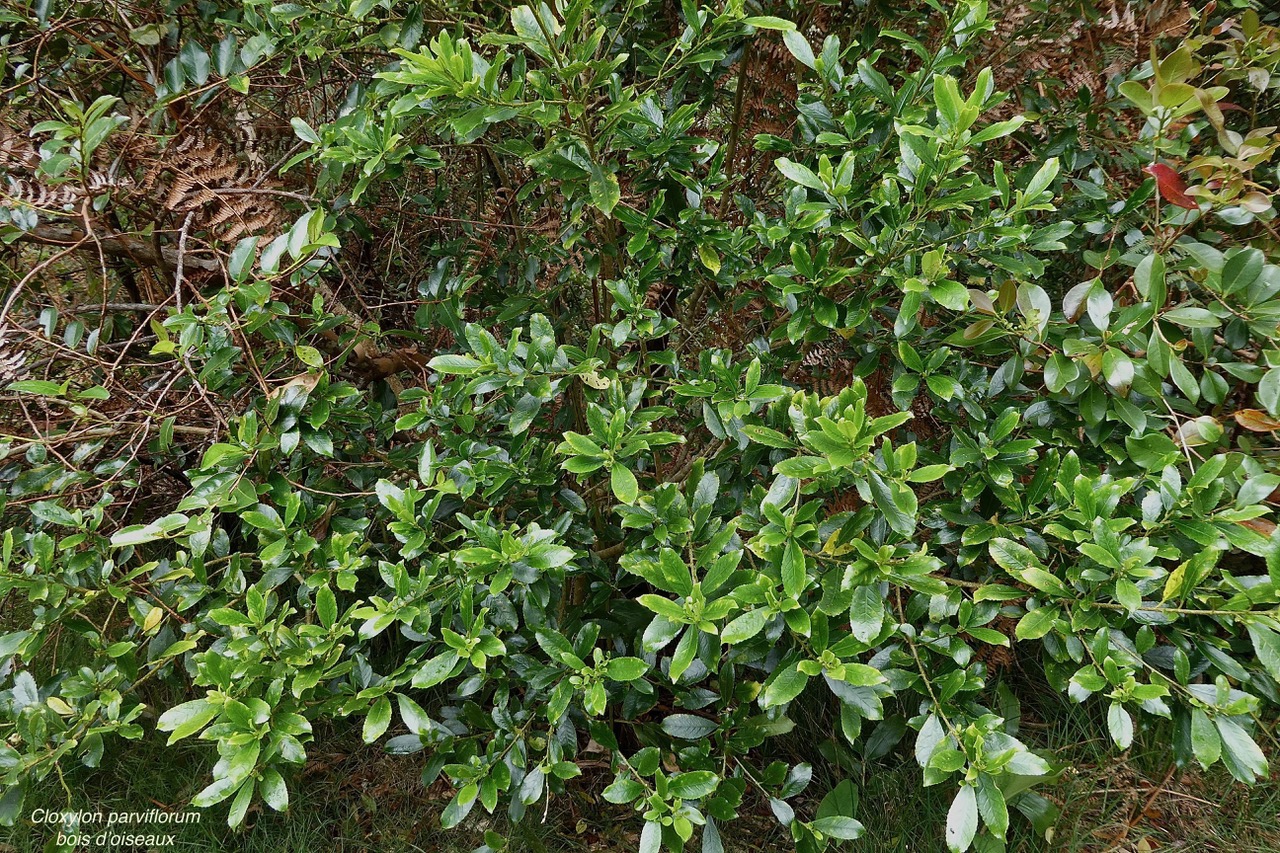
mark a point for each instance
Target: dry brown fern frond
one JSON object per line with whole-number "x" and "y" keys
{"x": 13, "y": 359}
{"x": 194, "y": 186}
{"x": 16, "y": 152}
{"x": 23, "y": 185}
{"x": 227, "y": 190}
{"x": 1075, "y": 53}
{"x": 847, "y": 501}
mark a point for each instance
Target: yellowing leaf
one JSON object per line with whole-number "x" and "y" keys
{"x": 709, "y": 259}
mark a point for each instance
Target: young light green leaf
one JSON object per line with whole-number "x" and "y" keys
{"x": 304, "y": 130}
{"x": 744, "y": 627}
{"x": 799, "y": 47}
{"x": 326, "y": 606}
{"x": 626, "y": 669}
{"x": 786, "y": 684}
{"x": 624, "y": 484}
{"x": 186, "y": 719}
{"x": 793, "y": 569}
{"x": 377, "y": 720}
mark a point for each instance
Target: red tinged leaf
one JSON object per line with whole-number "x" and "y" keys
{"x": 1256, "y": 421}
{"x": 1260, "y": 525}
{"x": 1172, "y": 188}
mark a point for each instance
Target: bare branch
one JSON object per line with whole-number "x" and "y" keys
{"x": 138, "y": 249}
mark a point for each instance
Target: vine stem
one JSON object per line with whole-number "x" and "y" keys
{"x": 915, "y": 653}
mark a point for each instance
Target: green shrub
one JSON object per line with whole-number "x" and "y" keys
{"x": 627, "y": 513}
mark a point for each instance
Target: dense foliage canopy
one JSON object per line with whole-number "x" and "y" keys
{"x": 593, "y": 383}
